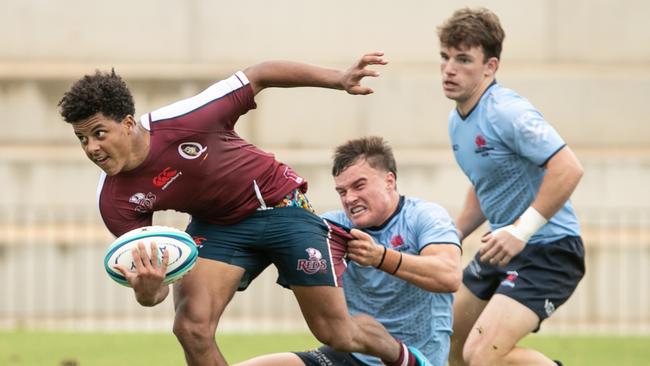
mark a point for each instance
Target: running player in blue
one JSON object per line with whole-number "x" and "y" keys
{"x": 522, "y": 175}
{"x": 404, "y": 260}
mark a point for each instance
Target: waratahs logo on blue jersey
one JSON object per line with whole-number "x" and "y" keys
{"x": 315, "y": 263}
{"x": 482, "y": 146}
{"x": 396, "y": 241}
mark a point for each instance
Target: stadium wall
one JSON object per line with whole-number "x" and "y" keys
{"x": 580, "y": 62}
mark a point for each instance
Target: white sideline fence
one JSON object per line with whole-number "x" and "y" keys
{"x": 53, "y": 279}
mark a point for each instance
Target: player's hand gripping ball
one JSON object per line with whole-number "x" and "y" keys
{"x": 180, "y": 246}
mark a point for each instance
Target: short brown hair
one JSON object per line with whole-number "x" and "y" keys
{"x": 373, "y": 149}
{"x": 468, "y": 28}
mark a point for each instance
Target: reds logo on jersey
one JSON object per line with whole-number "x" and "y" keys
{"x": 314, "y": 264}
{"x": 143, "y": 202}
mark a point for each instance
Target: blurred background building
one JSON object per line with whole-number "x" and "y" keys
{"x": 584, "y": 63}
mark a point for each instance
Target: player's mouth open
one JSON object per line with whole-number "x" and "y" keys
{"x": 101, "y": 161}
{"x": 357, "y": 210}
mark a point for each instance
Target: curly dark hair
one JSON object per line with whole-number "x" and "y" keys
{"x": 473, "y": 28}
{"x": 104, "y": 93}
{"x": 373, "y": 149}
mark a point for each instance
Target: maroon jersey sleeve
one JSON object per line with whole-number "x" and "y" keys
{"x": 215, "y": 109}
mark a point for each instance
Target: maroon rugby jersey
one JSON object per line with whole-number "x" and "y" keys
{"x": 197, "y": 164}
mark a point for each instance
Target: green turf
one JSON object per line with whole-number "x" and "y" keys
{"x": 98, "y": 349}
{"x": 593, "y": 350}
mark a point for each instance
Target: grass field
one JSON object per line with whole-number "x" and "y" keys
{"x": 99, "y": 349}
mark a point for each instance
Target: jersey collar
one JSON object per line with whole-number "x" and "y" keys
{"x": 477, "y": 102}
{"x": 400, "y": 204}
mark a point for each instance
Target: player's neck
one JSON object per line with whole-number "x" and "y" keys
{"x": 395, "y": 206}
{"x": 466, "y": 106}
{"x": 141, "y": 145}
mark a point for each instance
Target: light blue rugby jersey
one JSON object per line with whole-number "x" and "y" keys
{"x": 416, "y": 317}
{"x": 502, "y": 146}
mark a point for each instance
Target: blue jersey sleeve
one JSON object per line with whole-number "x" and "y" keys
{"x": 434, "y": 226}
{"x": 523, "y": 129}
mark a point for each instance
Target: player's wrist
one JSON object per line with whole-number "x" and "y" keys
{"x": 527, "y": 225}
{"x": 381, "y": 258}
{"x": 390, "y": 262}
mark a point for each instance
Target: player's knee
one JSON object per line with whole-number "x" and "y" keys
{"x": 192, "y": 334}
{"x": 475, "y": 355}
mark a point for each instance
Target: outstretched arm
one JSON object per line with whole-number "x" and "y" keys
{"x": 288, "y": 74}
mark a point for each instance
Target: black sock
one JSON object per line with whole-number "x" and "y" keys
{"x": 558, "y": 363}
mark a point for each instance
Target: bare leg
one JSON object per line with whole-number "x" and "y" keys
{"x": 327, "y": 316}
{"x": 467, "y": 309}
{"x": 493, "y": 339}
{"x": 200, "y": 298}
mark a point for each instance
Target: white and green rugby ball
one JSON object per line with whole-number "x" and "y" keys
{"x": 180, "y": 246}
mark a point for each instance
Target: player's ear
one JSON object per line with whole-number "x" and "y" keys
{"x": 491, "y": 66}
{"x": 129, "y": 122}
{"x": 391, "y": 181}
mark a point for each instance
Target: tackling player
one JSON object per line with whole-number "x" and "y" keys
{"x": 404, "y": 260}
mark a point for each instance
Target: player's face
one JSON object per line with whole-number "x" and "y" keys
{"x": 369, "y": 196}
{"x": 106, "y": 142}
{"x": 465, "y": 73}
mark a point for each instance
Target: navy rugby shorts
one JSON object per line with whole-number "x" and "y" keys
{"x": 306, "y": 249}
{"x": 327, "y": 356}
{"x": 542, "y": 277}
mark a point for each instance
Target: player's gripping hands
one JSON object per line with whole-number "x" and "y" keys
{"x": 365, "y": 251}
{"x": 500, "y": 246}
{"x": 147, "y": 280}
